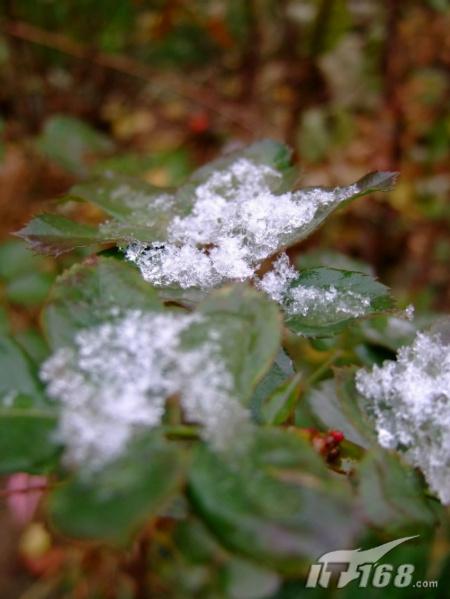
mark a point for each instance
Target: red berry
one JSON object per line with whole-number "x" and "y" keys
{"x": 199, "y": 122}
{"x": 338, "y": 436}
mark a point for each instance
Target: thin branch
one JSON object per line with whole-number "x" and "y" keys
{"x": 390, "y": 70}
{"x": 116, "y": 62}
{"x": 317, "y": 374}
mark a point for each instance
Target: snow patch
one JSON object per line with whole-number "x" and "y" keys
{"x": 409, "y": 400}
{"x": 115, "y": 380}
{"x": 308, "y": 300}
{"x": 236, "y": 222}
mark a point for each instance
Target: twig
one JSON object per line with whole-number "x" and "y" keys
{"x": 303, "y": 75}
{"x": 390, "y": 71}
{"x": 181, "y": 431}
{"x": 116, "y": 62}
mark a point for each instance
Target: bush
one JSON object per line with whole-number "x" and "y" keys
{"x": 199, "y": 391}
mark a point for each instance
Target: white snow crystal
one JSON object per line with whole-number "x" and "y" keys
{"x": 276, "y": 282}
{"x": 409, "y": 400}
{"x": 308, "y": 300}
{"x": 235, "y": 223}
{"x": 400, "y": 327}
{"x": 116, "y": 378}
{"x": 137, "y": 199}
{"x": 409, "y": 312}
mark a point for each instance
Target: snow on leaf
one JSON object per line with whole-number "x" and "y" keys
{"x": 309, "y": 301}
{"x": 236, "y": 222}
{"x": 409, "y": 400}
{"x": 114, "y": 381}
{"x": 277, "y": 280}
{"x": 321, "y": 297}
{"x": 230, "y": 216}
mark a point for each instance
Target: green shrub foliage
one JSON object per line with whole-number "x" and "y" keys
{"x": 194, "y": 373}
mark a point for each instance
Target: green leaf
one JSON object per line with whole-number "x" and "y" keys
{"x": 18, "y": 374}
{"x": 91, "y": 293}
{"x": 55, "y": 234}
{"x": 141, "y": 212}
{"x": 392, "y": 494}
{"x": 27, "y": 419}
{"x": 280, "y": 405}
{"x": 245, "y": 580}
{"x": 33, "y": 344}
{"x": 266, "y": 153}
{"x": 332, "y": 259}
{"x": 280, "y": 370}
{"x": 27, "y": 277}
{"x": 249, "y": 333}
{"x": 132, "y": 201}
{"x": 334, "y": 411}
{"x": 348, "y": 399}
{"x": 129, "y": 163}
{"x": 277, "y": 505}
{"x": 376, "y": 181}
{"x": 392, "y": 332}
{"x": 30, "y": 289}
{"x": 4, "y": 320}
{"x": 128, "y": 199}
{"x": 27, "y": 439}
{"x": 175, "y": 164}
{"x": 195, "y": 542}
{"x": 70, "y": 143}
{"x": 16, "y": 260}
{"x": 354, "y": 290}
{"x": 116, "y": 502}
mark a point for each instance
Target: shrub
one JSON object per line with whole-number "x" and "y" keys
{"x": 195, "y": 376}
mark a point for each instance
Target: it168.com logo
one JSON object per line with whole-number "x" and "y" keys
{"x": 362, "y": 566}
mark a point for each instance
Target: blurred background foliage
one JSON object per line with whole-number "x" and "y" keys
{"x": 156, "y": 87}
{"x": 153, "y": 88}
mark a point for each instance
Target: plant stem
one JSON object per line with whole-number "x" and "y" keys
{"x": 316, "y": 375}
{"x": 182, "y": 431}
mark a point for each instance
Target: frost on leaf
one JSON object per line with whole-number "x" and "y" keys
{"x": 115, "y": 380}
{"x": 236, "y": 222}
{"x": 324, "y": 302}
{"x": 409, "y": 400}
